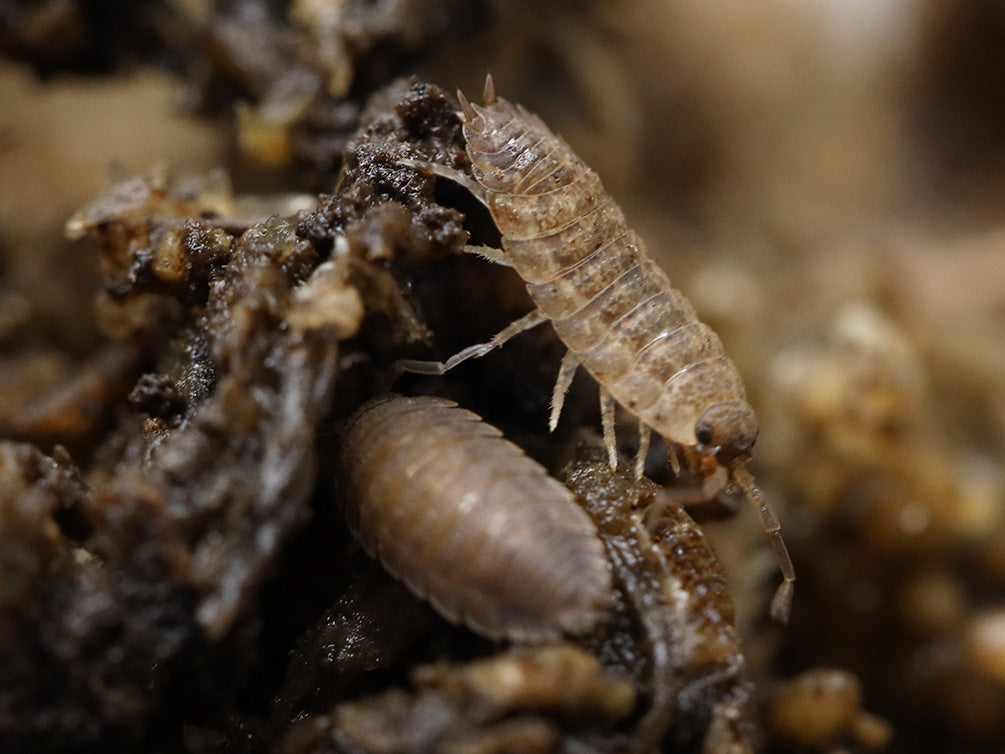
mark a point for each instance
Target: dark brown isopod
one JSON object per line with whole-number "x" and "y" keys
{"x": 673, "y": 584}
{"x": 470, "y": 522}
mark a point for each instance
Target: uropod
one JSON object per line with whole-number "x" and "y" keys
{"x": 588, "y": 274}
{"x": 469, "y": 522}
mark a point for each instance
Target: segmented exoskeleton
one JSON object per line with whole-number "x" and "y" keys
{"x": 674, "y": 587}
{"x": 615, "y": 309}
{"x": 469, "y": 522}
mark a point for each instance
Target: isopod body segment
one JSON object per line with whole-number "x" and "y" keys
{"x": 590, "y": 275}
{"x": 469, "y": 522}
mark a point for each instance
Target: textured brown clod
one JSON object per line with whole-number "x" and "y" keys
{"x": 76, "y": 408}
{"x": 383, "y": 212}
{"x": 166, "y": 545}
{"x": 527, "y": 700}
{"x": 821, "y": 706}
{"x": 681, "y": 617}
{"x": 560, "y": 679}
{"x": 405, "y": 121}
{"x": 367, "y": 630}
{"x": 95, "y": 611}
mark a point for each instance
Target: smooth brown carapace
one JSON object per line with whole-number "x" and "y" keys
{"x": 469, "y": 522}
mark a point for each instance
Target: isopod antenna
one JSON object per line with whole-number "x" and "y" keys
{"x": 781, "y": 603}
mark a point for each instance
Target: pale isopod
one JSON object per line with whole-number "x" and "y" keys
{"x": 612, "y": 306}
{"x": 469, "y": 522}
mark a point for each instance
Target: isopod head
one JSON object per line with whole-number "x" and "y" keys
{"x": 727, "y": 430}
{"x": 725, "y": 433}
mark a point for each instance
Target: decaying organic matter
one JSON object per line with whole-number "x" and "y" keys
{"x": 241, "y": 291}
{"x": 161, "y": 545}
{"x": 351, "y": 639}
{"x": 95, "y": 610}
{"x": 469, "y": 522}
{"x": 673, "y": 587}
{"x": 535, "y": 700}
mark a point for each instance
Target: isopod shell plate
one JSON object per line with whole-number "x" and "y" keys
{"x": 469, "y": 522}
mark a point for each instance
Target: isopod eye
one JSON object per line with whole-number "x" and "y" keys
{"x": 728, "y": 429}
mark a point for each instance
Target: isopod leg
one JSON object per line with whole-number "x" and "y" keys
{"x": 781, "y": 603}
{"x": 673, "y": 456}
{"x": 645, "y": 435}
{"x": 492, "y": 254}
{"x": 607, "y": 405}
{"x": 526, "y": 322}
{"x": 451, "y": 174}
{"x": 570, "y": 363}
